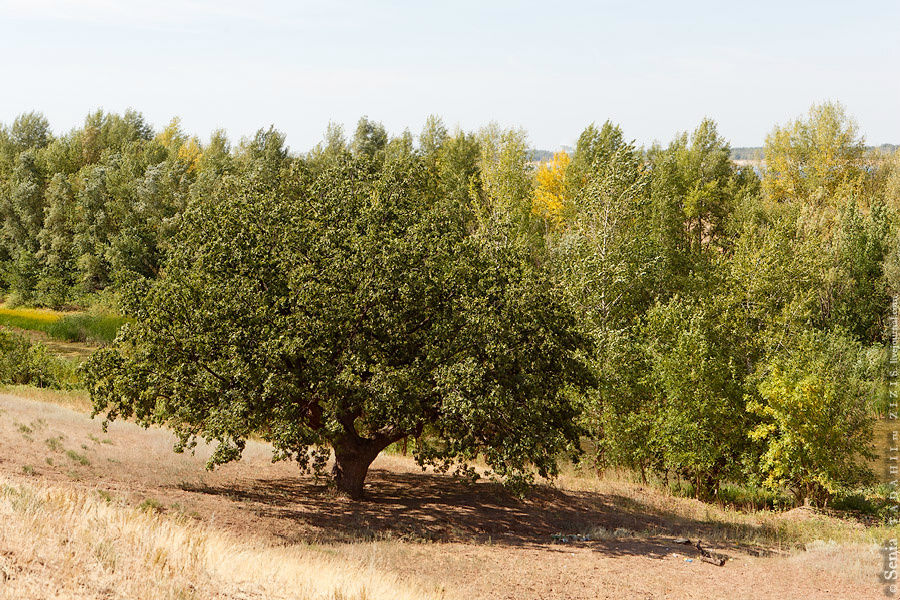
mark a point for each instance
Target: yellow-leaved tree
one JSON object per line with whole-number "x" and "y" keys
{"x": 550, "y": 194}
{"x": 190, "y": 153}
{"x": 172, "y": 137}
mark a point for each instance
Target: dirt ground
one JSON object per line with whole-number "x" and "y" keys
{"x": 470, "y": 540}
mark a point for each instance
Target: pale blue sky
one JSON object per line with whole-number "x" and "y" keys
{"x": 656, "y": 68}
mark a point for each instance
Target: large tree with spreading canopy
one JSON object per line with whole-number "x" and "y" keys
{"x": 340, "y": 309}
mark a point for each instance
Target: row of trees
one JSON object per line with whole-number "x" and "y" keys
{"x": 698, "y": 320}
{"x": 89, "y": 210}
{"x": 741, "y": 321}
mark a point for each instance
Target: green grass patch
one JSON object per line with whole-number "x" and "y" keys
{"x": 66, "y": 326}
{"x": 35, "y": 319}
{"x": 81, "y": 459}
{"x": 84, "y": 327}
{"x": 151, "y": 505}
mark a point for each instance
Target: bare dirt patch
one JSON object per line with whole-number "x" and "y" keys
{"x": 474, "y": 540}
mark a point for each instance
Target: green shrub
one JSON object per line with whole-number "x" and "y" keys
{"x": 878, "y": 501}
{"x": 25, "y": 363}
{"x": 151, "y": 505}
{"x": 752, "y": 497}
{"x": 694, "y": 396}
{"x": 816, "y": 417}
{"x": 78, "y": 458}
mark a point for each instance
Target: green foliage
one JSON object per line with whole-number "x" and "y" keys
{"x": 504, "y": 193}
{"x": 370, "y": 139}
{"x": 85, "y": 327}
{"x": 695, "y": 395}
{"x": 819, "y": 159}
{"x": 694, "y": 280}
{"x": 858, "y": 288}
{"x": 78, "y": 458}
{"x": 96, "y": 207}
{"x": 378, "y": 288}
{"x": 22, "y": 362}
{"x": 695, "y": 186}
{"x": 815, "y": 416}
{"x": 151, "y": 505}
{"x": 349, "y": 308}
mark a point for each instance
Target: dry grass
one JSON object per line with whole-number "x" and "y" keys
{"x": 77, "y": 400}
{"x": 771, "y": 529}
{"x": 855, "y": 561}
{"x": 69, "y": 543}
{"x": 256, "y": 528}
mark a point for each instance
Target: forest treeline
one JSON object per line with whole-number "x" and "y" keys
{"x": 734, "y": 323}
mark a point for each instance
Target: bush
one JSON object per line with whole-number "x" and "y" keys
{"x": 751, "y": 497}
{"x": 878, "y": 501}
{"x": 816, "y": 419}
{"x": 25, "y": 363}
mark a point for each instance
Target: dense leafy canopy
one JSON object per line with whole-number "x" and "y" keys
{"x": 697, "y": 319}
{"x": 349, "y": 309}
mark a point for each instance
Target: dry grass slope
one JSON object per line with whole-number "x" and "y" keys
{"x": 86, "y": 513}
{"x": 68, "y": 543}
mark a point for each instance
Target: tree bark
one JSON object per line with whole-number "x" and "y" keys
{"x": 350, "y": 468}
{"x": 354, "y": 453}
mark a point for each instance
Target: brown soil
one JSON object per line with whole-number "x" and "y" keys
{"x": 474, "y": 540}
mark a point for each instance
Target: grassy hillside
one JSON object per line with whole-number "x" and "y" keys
{"x": 115, "y": 514}
{"x": 73, "y": 543}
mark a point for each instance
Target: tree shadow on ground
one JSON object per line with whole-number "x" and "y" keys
{"x": 440, "y": 508}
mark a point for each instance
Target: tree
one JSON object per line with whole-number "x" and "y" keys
{"x": 595, "y": 148}
{"x": 607, "y": 254}
{"x": 550, "y": 195}
{"x": 370, "y": 138}
{"x": 819, "y": 159}
{"x": 890, "y": 170}
{"x": 22, "y": 212}
{"x": 693, "y": 186}
{"x": 332, "y": 148}
{"x": 347, "y": 310}
{"x": 30, "y": 131}
{"x": 606, "y": 260}
{"x": 694, "y": 392}
{"x": 816, "y": 416}
{"x": 56, "y": 237}
{"x": 264, "y": 155}
{"x": 505, "y": 190}
{"x": 433, "y": 136}
{"x": 857, "y": 292}
{"x": 457, "y": 165}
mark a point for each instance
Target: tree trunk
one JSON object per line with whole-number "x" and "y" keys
{"x": 350, "y": 467}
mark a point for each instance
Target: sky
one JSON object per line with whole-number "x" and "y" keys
{"x": 552, "y": 68}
